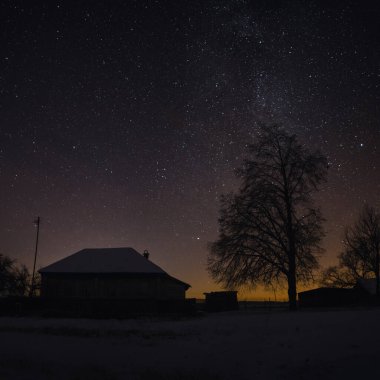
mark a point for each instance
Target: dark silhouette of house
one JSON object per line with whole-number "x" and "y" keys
{"x": 109, "y": 273}
{"x": 363, "y": 293}
{"x": 321, "y": 297}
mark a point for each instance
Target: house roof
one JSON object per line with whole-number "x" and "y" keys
{"x": 325, "y": 290}
{"x": 106, "y": 260}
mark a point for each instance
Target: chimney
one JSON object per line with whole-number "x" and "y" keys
{"x": 146, "y": 254}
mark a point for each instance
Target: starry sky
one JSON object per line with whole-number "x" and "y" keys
{"x": 121, "y": 122}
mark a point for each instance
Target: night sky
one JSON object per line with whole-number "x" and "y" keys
{"x": 122, "y": 122}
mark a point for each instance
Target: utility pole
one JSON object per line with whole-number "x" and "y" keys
{"x": 37, "y": 224}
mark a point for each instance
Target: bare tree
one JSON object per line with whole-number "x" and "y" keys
{"x": 6, "y": 268}
{"x": 338, "y": 276}
{"x": 14, "y": 279}
{"x": 21, "y": 281}
{"x": 269, "y": 230}
{"x": 360, "y": 257}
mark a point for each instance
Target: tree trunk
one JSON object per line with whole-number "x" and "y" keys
{"x": 292, "y": 281}
{"x": 292, "y": 287}
{"x": 377, "y": 276}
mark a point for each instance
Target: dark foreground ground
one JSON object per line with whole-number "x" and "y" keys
{"x": 334, "y": 344}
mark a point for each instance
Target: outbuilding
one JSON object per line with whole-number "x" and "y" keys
{"x": 110, "y": 273}
{"x": 366, "y": 287}
{"x": 331, "y": 297}
{"x": 221, "y": 301}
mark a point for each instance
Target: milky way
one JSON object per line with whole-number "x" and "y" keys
{"x": 123, "y": 122}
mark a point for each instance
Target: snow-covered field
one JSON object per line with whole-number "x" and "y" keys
{"x": 341, "y": 344}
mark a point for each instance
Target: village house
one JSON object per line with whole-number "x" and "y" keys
{"x": 109, "y": 273}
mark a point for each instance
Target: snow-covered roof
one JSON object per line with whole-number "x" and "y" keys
{"x": 104, "y": 260}
{"x": 368, "y": 284}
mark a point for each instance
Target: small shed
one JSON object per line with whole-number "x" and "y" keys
{"x": 109, "y": 273}
{"x": 322, "y": 297}
{"x": 221, "y": 301}
{"x": 366, "y": 286}
{"x": 365, "y": 289}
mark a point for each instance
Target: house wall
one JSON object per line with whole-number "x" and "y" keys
{"x": 111, "y": 286}
{"x": 169, "y": 289}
